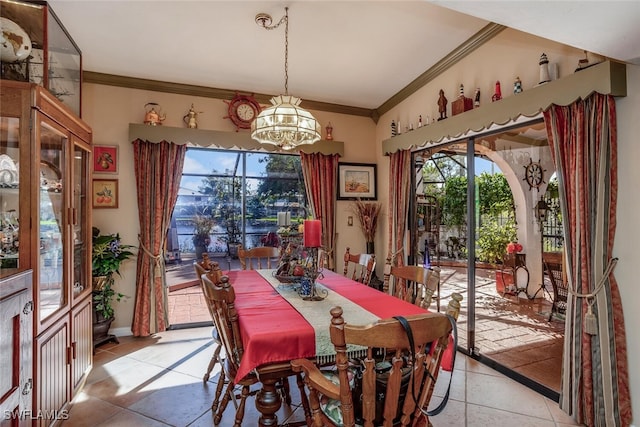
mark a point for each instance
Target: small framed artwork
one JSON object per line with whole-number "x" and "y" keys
{"x": 356, "y": 181}
{"x": 105, "y": 159}
{"x": 105, "y": 193}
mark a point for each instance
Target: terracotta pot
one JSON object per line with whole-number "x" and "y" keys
{"x": 504, "y": 281}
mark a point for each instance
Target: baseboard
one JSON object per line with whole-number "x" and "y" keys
{"x": 121, "y": 332}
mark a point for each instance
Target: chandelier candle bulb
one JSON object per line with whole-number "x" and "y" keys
{"x": 312, "y": 231}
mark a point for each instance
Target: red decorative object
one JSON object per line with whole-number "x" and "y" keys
{"x": 312, "y": 231}
{"x": 514, "y": 247}
{"x": 498, "y": 95}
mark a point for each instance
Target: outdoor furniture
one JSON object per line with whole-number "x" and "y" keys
{"x": 386, "y": 398}
{"x": 554, "y": 266}
{"x": 261, "y": 256}
{"x": 359, "y": 267}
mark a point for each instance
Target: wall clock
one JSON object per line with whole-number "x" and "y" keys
{"x": 243, "y": 109}
{"x": 534, "y": 174}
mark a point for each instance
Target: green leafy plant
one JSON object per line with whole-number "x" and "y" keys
{"x": 202, "y": 227}
{"x": 108, "y": 255}
{"x": 493, "y": 238}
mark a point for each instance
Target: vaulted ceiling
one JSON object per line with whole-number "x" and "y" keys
{"x": 353, "y": 53}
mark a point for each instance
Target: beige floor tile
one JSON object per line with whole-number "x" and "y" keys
{"x": 482, "y": 416}
{"x": 127, "y": 418}
{"x": 454, "y": 415}
{"x": 505, "y": 394}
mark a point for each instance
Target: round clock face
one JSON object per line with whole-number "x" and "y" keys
{"x": 534, "y": 174}
{"x": 242, "y": 110}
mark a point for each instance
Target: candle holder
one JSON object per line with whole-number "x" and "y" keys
{"x": 308, "y": 290}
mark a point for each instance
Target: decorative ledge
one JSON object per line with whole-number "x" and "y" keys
{"x": 222, "y": 139}
{"x": 606, "y": 78}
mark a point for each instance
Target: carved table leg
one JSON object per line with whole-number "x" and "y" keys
{"x": 268, "y": 402}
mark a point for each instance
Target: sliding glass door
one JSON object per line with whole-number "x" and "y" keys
{"x": 487, "y": 240}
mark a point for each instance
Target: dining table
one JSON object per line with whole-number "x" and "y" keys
{"x": 277, "y": 325}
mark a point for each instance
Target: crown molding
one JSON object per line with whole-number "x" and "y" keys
{"x": 474, "y": 42}
{"x": 210, "y": 92}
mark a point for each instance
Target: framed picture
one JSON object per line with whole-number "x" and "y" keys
{"x": 356, "y": 181}
{"x": 105, "y": 159}
{"x": 105, "y": 193}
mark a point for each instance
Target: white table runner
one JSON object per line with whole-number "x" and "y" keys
{"x": 318, "y": 316}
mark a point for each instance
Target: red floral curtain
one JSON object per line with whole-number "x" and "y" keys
{"x": 158, "y": 169}
{"x": 595, "y": 382}
{"x": 320, "y": 174}
{"x": 399, "y": 191}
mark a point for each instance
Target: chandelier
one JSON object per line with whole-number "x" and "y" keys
{"x": 284, "y": 124}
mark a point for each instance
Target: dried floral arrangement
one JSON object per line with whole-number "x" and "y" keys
{"x": 367, "y": 214}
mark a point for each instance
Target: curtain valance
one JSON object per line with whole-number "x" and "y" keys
{"x": 607, "y": 78}
{"x": 221, "y": 139}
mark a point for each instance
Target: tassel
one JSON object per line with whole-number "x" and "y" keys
{"x": 590, "y": 320}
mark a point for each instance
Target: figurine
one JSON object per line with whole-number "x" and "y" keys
{"x": 497, "y": 96}
{"x": 442, "y": 106}
{"x": 152, "y": 117}
{"x": 394, "y": 128}
{"x": 461, "y": 95}
{"x": 190, "y": 118}
{"x": 420, "y": 121}
{"x": 517, "y": 85}
{"x": 476, "y": 97}
{"x": 329, "y": 130}
{"x": 544, "y": 69}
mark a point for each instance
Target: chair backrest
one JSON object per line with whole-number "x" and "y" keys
{"x": 223, "y": 299}
{"x": 261, "y": 256}
{"x": 554, "y": 266}
{"x": 215, "y": 273}
{"x": 412, "y": 283}
{"x": 430, "y": 334}
{"x": 359, "y": 267}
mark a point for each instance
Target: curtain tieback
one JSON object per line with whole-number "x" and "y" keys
{"x": 590, "y": 320}
{"x": 157, "y": 265}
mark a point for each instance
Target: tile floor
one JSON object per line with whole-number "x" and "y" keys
{"x": 157, "y": 381}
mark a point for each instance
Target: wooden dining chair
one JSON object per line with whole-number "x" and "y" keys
{"x": 203, "y": 267}
{"x": 413, "y": 283}
{"x": 223, "y": 304}
{"x": 359, "y": 267}
{"x": 262, "y": 256}
{"x": 381, "y": 398}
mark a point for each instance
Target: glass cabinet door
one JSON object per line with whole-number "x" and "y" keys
{"x": 80, "y": 235}
{"x": 51, "y": 256}
{"x": 10, "y": 262}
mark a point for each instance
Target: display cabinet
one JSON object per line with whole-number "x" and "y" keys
{"x": 45, "y": 208}
{"x": 39, "y": 50}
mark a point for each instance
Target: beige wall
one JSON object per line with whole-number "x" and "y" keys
{"x": 512, "y": 54}
{"x": 109, "y": 110}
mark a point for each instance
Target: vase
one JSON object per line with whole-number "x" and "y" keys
{"x": 370, "y": 248}
{"x": 200, "y": 250}
{"x": 99, "y": 282}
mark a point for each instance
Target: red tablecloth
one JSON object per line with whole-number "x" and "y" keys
{"x": 273, "y": 331}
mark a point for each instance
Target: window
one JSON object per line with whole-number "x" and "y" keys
{"x": 241, "y": 191}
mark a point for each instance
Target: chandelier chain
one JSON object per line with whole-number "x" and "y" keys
{"x": 285, "y": 20}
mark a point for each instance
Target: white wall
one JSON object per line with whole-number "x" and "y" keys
{"x": 628, "y": 232}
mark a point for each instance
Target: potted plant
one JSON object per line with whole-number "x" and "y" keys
{"x": 367, "y": 214}
{"x": 202, "y": 227}
{"x": 107, "y": 256}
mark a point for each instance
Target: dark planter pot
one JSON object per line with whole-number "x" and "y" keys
{"x": 371, "y": 249}
{"x": 101, "y": 328}
{"x": 232, "y": 250}
{"x": 201, "y": 249}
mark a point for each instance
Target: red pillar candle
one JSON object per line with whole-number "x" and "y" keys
{"x": 312, "y": 230}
